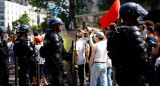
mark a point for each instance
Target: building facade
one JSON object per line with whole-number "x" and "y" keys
{"x": 93, "y": 12}
{"x": 12, "y": 10}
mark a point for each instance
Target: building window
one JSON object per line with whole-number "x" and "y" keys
{"x": 1, "y": 23}
{"x": 1, "y": 3}
{"x": 88, "y": 1}
{"x": 1, "y": 17}
{"x": 100, "y": 1}
{"x": 88, "y": 10}
{"x": 1, "y": 10}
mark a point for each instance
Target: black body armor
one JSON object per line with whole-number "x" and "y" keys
{"x": 53, "y": 50}
{"x": 23, "y": 47}
{"x": 24, "y": 50}
{"x": 4, "y": 73}
{"x": 128, "y": 51}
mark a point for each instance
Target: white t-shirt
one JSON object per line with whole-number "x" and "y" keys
{"x": 101, "y": 54}
{"x": 41, "y": 60}
{"x": 80, "y": 47}
{"x": 10, "y": 45}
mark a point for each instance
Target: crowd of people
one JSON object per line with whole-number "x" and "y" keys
{"x": 127, "y": 54}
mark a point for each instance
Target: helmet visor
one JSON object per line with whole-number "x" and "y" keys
{"x": 141, "y": 10}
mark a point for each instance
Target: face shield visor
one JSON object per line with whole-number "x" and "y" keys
{"x": 142, "y": 11}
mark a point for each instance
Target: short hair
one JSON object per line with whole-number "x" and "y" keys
{"x": 149, "y": 23}
{"x": 100, "y": 38}
{"x": 113, "y": 26}
{"x": 35, "y": 33}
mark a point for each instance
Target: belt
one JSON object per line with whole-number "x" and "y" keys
{"x": 99, "y": 62}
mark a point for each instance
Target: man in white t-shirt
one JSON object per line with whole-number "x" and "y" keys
{"x": 98, "y": 68}
{"x": 80, "y": 58}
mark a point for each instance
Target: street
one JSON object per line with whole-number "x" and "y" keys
{"x": 12, "y": 78}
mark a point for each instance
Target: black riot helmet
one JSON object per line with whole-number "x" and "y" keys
{"x": 24, "y": 28}
{"x": 2, "y": 30}
{"x": 130, "y": 11}
{"x": 53, "y": 22}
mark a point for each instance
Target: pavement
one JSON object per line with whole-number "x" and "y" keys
{"x": 12, "y": 77}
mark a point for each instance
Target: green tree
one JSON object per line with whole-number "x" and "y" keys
{"x": 43, "y": 25}
{"x": 61, "y": 5}
{"x": 64, "y": 18}
{"x": 15, "y": 25}
{"x": 35, "y": 28}
{"x": 43, "y": 4}
{"x": 22, "y": 20}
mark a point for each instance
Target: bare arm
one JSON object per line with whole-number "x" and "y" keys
{"x": 87, "y": 52}
{"x": 155, "y": 49}
{"x": 94, "y": 47}
{"x": 91, "y": 40}
{"x": 76, "y": 57}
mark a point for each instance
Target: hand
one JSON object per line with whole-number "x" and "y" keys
{"x": 87, "y": 62}
{"x": 89, "y": 70}
{"x": 75, "y": 63}
{"x": 91, "y": 35}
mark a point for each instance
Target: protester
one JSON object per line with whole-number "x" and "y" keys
{"x": 80, "y": 58}
{"x": 40, "y": 60}
{"x": 98, "y": 61}
{"x": 157, "y": 57}
{"x": 108, "y": 62}
{"x": 10, "y": 45}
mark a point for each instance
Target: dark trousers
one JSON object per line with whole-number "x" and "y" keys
{"x": 4, "y": 76}
{"x": 158, "y": 76}
{"x": 57, "y": 79}
{"x": 24, "y": 73}
{"x": 4, "y": 73}
{"x": 81, "y": 73}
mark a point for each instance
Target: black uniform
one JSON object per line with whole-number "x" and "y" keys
{"x": 54, "y": 52}
{"x": 128, "y": 52}
{"x": 24, "y": 50}
{"x": 128, "y": 49}
{"x": 4, "y": 73}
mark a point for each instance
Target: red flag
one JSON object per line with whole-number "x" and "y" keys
{"x": 111, "y": 16}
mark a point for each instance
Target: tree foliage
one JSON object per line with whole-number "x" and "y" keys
{"x": 106, "y": 5}
{"x": 64, "y": 18}
{"x": 22, "y": 20}
{"x": 15, "y": 25}
{"x": 59, "y": 5}
{"x": 43, "y": 25}
{"x": 35, "y": 28}
{"x": 43, "y": 4}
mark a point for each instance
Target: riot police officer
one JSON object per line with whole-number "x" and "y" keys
{"x": 53, "y": 51}
{"x": 24, "y": 50}
{"x": 4, "y": 73}
{"x": 127, "y": 48}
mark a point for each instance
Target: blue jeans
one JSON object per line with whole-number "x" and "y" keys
{"x": 109, "y": 76}
{"x": 11, "y": 55}
{"x": 98, "y": 70}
